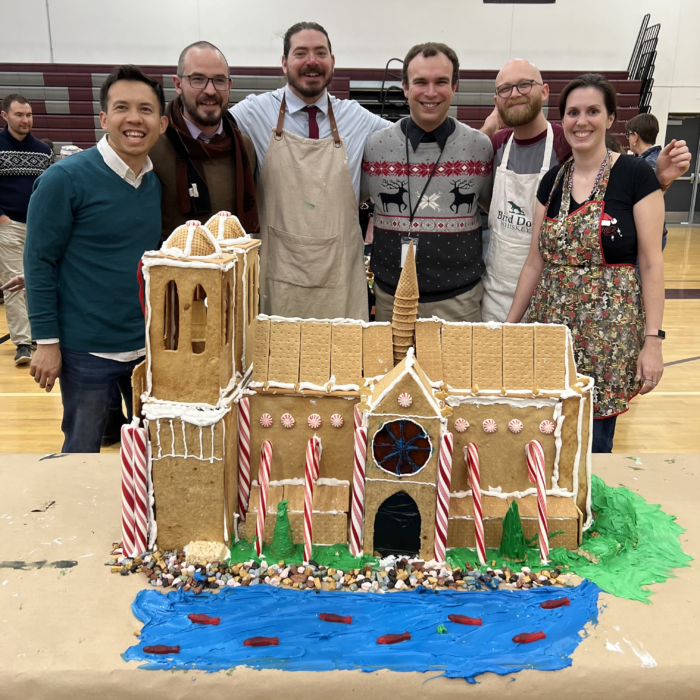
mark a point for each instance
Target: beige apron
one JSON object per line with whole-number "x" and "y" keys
{"x": 312, "y": 262}
{"x": 511, "y": 214}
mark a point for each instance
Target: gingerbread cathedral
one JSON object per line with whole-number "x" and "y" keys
{"x": 351, "y": 423}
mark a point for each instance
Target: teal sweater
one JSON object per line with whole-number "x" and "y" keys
{"x": 86, "y": 232}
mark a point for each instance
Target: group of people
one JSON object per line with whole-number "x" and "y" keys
{"x": 571, "y": 222}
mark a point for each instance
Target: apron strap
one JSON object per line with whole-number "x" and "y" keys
{"x": 548, "y": 144}
{"x": 334, "y": 127}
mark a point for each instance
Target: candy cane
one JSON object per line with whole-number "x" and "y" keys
{"x": 358, "y": 492}
{"x": 264, "y": 481}
{"x": 127, "y": 456}
{"x": 535, "y": 472}
{"x": 471, "y": 455}
{"x": 140, "y": 480}
{"x": 243, "y": 456}
{"x": 357, "y": 416}
{"x": 313, "y": 459}
{"x": 442, "y": 510}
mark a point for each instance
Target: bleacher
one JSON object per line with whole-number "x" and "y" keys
{"x": 65, "y": 97}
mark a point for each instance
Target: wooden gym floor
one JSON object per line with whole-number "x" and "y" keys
{"x": 664, "y": 421}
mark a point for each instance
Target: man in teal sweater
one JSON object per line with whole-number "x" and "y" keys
{"x": 90, "y": 219}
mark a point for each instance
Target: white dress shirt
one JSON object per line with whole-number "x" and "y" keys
{"x": 115, "y": 163}
{"x": 197, "y": 133}
{"x": 257, "y": 115}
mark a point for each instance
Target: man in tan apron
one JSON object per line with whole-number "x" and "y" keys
{"x": 310, "y": 149}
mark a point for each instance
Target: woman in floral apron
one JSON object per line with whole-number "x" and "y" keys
{"x": 596, "y": 214}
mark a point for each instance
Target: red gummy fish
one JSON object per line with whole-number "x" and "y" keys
{"x": 464, "y": 620}
{"x": 202, "y": 619}
{"x": 394, "y": 638}
{"x": 262, "y": 642}
{"x": 161, "y": 649}
{"x": 332, "y": 617}
{"x": 555, "y": 603}
{"x": 527, "y": 637}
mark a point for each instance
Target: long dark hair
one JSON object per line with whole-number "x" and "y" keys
{"x": 594, "y": 80}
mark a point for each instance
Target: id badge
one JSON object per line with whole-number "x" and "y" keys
{"x": 405, "y": 242}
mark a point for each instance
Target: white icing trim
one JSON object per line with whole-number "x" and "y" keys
{"x": 398, "y": 481}
{"x": 149, "y": 261}
{"x": 589, "y": 513}
{"x": 455, "y": 401}
{"x": 332, "y": 482}
{"x": 201, "y": 415}
{"x": 559, "y": 417}
{"x": 334, "y": 321}
{"x": 152, "y": 525}
{"x": 280, "y": 385}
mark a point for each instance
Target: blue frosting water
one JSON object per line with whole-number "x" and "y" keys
{"x": 306, "y": 643}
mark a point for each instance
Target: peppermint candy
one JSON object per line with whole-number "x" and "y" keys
{"x": 547, "y": 427}
{"x": 266, "y": 420}
{"x": 461, "y": 425}
{"x": 490, "y": 425}
{"x": 287, "y": 420}
{"x": 314, "y": 421}
{"x": 515, "y": 426}
{"x": 337, "y": 420}
{"x": 405, "y": 400}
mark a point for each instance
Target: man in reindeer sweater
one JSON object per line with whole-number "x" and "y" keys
{"x": 427, "y": 174}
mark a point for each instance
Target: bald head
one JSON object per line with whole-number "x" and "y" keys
{"x": 516, "y": 70}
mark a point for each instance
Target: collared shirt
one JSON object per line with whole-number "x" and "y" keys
{"x": 116, "y": 164}
{"x": 417, "y": 135}
{"x": 257, "y": 117}
{"x": 197, "y": 133}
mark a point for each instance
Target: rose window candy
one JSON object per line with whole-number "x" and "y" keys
{"x": 461, "y": 425}
{"x": 547, "y": 427}
{"x": 405, "y": 400}
{"x": 314, "y": 421}
{"x": 490, "y": 425}
{"x": 401, "y": 447}
{"x": 287, "y": 420}
{"x": 337, "y": 420}
{"x": 515, "y": 426}
{"x": 266, "y": 420}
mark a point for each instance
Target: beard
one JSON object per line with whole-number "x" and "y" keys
{"x": 212, "y": 119}
{"x": 523, "y": 115}
{"x": 295, "y": 82}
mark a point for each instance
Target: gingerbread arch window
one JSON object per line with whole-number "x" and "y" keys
{"x": 401, "y": 447}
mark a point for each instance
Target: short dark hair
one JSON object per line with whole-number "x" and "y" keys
{"x": 613, "y": 144}
{"x": 197, "y": 45}
{"x": 15, "y": 97}
{"x": 431, "y": 48}
{"x": 135, "y": 74}
{"x": 646, "y": 126}
{"x": 594, "y": 80}
{"x": 300, "y": 27}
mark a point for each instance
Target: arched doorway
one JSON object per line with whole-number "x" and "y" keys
{"x": 397, "y": 526}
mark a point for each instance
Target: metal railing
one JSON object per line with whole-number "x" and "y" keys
{"x": 643, "y": 61}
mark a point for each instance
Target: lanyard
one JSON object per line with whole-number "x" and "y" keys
{"x": 412, "y": 211}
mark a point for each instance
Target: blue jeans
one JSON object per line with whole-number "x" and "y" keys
{"x": 603, "y": 434}
{"x": 88, "y": 384}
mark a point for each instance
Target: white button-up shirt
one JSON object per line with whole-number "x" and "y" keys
{"x": 257, "y": 117}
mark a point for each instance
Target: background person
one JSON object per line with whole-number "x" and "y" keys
{"x": 22, "y": 159}
{"x": 91, "y": 218}
{"x": 592, "y": 284}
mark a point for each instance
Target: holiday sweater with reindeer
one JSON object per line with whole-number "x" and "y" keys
{"x": 447, "y": 224}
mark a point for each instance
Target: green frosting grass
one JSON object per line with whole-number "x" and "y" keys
{"x": 630, "y": 545}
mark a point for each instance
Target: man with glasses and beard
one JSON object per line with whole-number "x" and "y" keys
{"x": 523, "y": 153}
{"x": 309, "y": 147}
{"x": 204, "y": 163}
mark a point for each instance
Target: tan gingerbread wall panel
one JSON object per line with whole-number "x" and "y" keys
{"x": 550, "y": 357}
{"x": 138, "y": 387}
{"x": 501, "y": 454}
{"x": 289, "y": 445}
{"x": 231, "y": 470}
{"x": 569, "y": 442}
{"x": 460, "y": 526}
{"x": 377, "y": 350}
{"x": 518, "y": 350}
{"x": 283, "y": 365}
{"x": 315, "y": 364}
{"x": 328, "y": 528}
{"x": 230, "y": 349}
{"x": 457, "y": 355}
{"x": 420, "y": 405}
{"x": 253, "y": 305}
{"x": 562, "y": 514}
{"x": 582, "y": 475}
{"x": 346, "y": 354}
{"x": 487, "y": 357}
{"x": 261, "y": 354}
{"x": 429, "y": 348}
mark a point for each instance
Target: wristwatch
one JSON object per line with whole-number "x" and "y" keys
{"x": 659, "y": 334}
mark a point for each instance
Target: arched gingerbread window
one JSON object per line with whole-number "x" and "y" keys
{"x": 171, "y": 317}
{"x": 199, "y": 320}
{"x": 401, "y": 447}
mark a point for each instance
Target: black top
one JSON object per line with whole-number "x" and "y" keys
{"x": 417, "y": 135}
{"x": 631, "y": 179}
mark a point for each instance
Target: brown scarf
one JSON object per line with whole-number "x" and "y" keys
{"x": 189, "y": 150}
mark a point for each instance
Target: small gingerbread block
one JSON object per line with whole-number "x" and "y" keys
{"x": 518, "y": 349}
{"x": 487, "y": 356}
{"x": 261, "y": 353}
{"x": 315, "y": 365}
{"x": 284, "y": 352}
{"x": 456, "y": 343}
{"x": 550, "y": 357}
{"x": 377, "y": 351}
{"x": 429, "y": 348}
{"x": 331, "y": 498}
{"x": 346, "y": 354}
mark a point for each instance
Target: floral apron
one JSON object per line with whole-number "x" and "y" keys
{"x": 600, "y": 303}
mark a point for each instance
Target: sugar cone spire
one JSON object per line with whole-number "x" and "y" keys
{"x": 403, "y": 322}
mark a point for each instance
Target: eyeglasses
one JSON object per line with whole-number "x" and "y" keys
{"x": 200, "y": 82}
{"x": 523, "y": 87}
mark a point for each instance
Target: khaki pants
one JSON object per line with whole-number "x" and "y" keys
{"x": 464, "y": 307}
{"x": 12, "y": 237}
